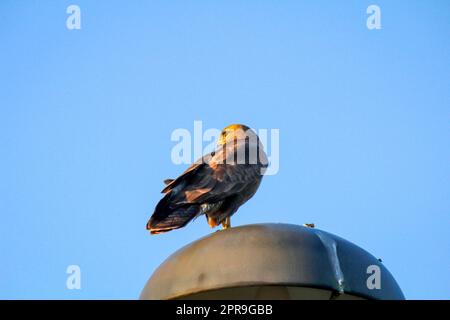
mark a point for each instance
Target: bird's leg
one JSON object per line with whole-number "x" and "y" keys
{"x": 227, "y": 223}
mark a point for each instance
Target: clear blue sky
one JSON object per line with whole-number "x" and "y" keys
{"x": 86, "y": 117}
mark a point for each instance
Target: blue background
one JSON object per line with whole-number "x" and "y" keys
{"x": 86, "y": 117}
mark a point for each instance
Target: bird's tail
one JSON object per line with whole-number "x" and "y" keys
{"x": 166, "y": 217}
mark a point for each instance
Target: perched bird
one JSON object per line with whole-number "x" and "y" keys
{"x": 216, "y": 185}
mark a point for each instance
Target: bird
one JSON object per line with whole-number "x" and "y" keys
{"x": 215, "y": 185}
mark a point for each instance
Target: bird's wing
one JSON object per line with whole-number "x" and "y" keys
{"x": 216, "y": 179}
{"x": 172, "y": 183}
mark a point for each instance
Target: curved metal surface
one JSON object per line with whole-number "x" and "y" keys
{"x": 271, "y": 254}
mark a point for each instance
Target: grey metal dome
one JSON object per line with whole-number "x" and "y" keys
{"x": 270, "y": 261}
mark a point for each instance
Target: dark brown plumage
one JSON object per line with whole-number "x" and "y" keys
{"x": 215, "y": 185}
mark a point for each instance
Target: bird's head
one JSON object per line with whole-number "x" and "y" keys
{"x": 236, "y": 132}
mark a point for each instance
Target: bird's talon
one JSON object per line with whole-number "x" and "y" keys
{"x": 226, "y": 224}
